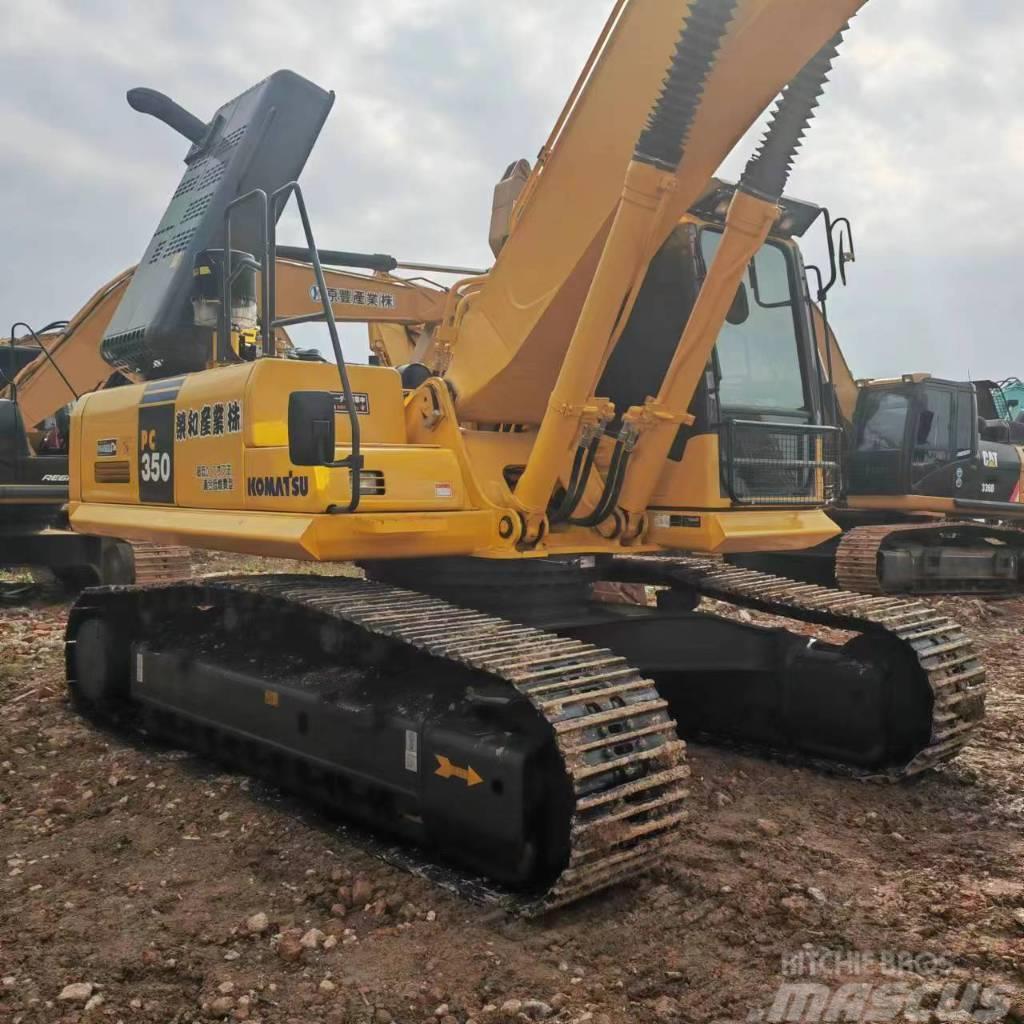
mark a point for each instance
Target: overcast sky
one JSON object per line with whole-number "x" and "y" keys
{"x": 920, "y": 141}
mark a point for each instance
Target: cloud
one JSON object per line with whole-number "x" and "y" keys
{"x": 919, "y": 140}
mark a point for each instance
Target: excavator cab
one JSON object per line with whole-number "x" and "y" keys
{"x": 923, "y": 437}
{"x": 24, "y": 473}
{"x": 760, "y": 397}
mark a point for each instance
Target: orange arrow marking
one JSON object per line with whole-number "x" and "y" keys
{"x": 447, "y": 770}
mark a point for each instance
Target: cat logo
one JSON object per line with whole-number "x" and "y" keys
{"x": 990, "y": 460}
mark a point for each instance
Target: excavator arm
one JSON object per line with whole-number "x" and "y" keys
{"x": 843, "y": 384}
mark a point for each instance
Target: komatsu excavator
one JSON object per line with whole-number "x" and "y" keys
{"x": 566, "y": 420}
{"x": 932, "y": 498}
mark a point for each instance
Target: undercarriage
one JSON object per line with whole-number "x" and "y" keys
{"x": 504, "y": 723}
{"x": 924, "y": 557}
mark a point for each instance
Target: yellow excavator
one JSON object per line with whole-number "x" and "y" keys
{"x": 567, "y": 419}
{"x": 43, "y": 372}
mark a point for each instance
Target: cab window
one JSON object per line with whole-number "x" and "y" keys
{"x": 936, "y": 425}
{"x": 757, "y": 355}
{"x": 884, "y": 422}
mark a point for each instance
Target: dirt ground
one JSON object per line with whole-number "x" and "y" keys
{"x": 142, "y": 884}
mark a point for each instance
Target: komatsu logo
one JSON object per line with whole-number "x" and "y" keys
{"x": 291, "y": 485}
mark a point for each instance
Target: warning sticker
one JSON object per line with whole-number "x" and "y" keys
{"x": 666, "y": 520}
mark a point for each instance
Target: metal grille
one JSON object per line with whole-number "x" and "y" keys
{"x": 371, "y": 481}
{"x": 126, "y": 351}
{"x": 779, "y": 463}
{"x": 118, "y": 472}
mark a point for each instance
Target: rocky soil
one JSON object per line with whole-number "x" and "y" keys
{"x": 142, "y": 884}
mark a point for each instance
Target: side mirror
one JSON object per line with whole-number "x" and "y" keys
{"x": 924, "y": 426}
{"x": 311, "y": 428}
{"x": 739, "y": 311}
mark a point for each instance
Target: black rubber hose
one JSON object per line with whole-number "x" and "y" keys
{"x": 663, "y": 141}
{"x": 582, "y": 466}
{"x": 612, "y": 488}
{"x": 767, "y": 173}
{"x": 559, "y": 514}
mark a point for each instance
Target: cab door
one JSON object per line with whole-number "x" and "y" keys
{"x": 878, "y": 459}
{"x": 942, "y": 462}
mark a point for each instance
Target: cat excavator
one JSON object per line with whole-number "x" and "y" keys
{"x": 568, "y": 419}
{"x": 931, "y": 500}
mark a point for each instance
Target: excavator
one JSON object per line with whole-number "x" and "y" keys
{"x": 41, "y": 379}
{"x": 931, "y": 499}
{"x": 567, "y": 419}
{"x": 34, "y": 476}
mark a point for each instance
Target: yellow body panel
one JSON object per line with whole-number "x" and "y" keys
{"x": 470, "y": 464}
{"x": 443, "y": 488}
{"x": 900, "y": 502}
{"x": 694, "y": 482}
{"x": 730, "y": 533}
{"x": 321, "y": 537}
{"x": 228, "y": 440}
{"x": 923, "y": 503}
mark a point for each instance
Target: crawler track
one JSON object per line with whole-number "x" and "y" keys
{"x": 857, "y": 562}
{"x": 614, "y": 738}
{"x": 945, "y": 655}
{"x": 160, "y": 563}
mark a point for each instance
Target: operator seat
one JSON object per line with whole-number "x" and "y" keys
{"x": 994, "y": 431}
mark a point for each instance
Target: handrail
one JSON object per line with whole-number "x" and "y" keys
{"x": 354, "y": 461}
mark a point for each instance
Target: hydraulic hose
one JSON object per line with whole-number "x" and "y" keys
{"x": 612, "y": 487}
{"x": 582, "y": 466}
